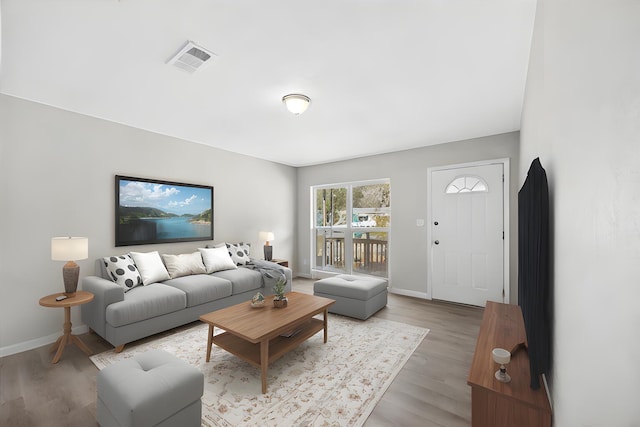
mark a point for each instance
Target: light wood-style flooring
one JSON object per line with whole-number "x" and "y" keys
{"x": 430, "y": 390}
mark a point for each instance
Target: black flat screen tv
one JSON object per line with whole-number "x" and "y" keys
{"x": 534, "y": 279}
{"x": 154, "y": 211}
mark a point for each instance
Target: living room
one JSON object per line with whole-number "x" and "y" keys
{"x": 579, "y": 115}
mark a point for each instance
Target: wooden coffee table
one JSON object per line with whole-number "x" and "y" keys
{"x": 256, "y": 334}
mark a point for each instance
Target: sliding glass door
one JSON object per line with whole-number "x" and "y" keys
{"x": 350, "y": 227}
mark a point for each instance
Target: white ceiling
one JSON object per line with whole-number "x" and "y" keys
{"x": 383, "y": 75}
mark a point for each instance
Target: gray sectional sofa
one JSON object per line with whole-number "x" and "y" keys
{"x": 122, "y": 317}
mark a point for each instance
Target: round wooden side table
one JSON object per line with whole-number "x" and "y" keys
{"x": 81, "y": 297}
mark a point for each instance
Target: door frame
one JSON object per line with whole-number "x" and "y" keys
{"x": 506, "y": 185}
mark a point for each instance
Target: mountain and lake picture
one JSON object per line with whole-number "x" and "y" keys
{"x": 153, "y": 211}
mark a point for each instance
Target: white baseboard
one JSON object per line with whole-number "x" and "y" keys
{"x": 39, "y": 342}
{"x": 408, "y": 293}
{"x": 77, "y": 330}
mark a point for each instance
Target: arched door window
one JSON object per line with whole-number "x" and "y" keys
{"x": 467, "y": 184}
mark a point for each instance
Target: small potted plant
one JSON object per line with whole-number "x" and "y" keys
{"x": 280, "y": 300}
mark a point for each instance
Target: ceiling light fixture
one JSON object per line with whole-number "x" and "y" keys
{"x": 296, "y": 103}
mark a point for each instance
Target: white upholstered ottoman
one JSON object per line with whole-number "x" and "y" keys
{"x": 150, "y": 389}
{"x": 355, "y": 296}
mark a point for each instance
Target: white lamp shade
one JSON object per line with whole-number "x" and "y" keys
{"x": 69, "y": 248}
{"x": 296, "y": 103}
{"x": 266, "y": 235}
{"x": 501, "y": 356}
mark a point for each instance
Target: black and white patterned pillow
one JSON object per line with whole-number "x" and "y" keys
{"x": 240, "y": 252}
{"x": 123, "y": 271}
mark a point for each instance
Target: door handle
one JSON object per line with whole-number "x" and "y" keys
{"x": 437, "y": 242}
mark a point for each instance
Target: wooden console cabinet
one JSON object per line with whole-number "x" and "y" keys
{"x": 494, "y": 403}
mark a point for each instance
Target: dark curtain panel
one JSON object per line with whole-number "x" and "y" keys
{"x": 533, "y": 268}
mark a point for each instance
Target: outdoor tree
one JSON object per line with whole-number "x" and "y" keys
{"x": 371, "y": 196}
{"x": 331, "y": 206}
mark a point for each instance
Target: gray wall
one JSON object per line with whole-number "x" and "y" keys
{"x": 57, "y": 178}
{"x": 408, "y": 173}
{"x": 582, "y": 118}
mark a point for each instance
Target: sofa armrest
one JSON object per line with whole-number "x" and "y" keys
{"x": 289, "y": 276}
{"x": 268, "y": 265}
{"x": 105, "y": 292}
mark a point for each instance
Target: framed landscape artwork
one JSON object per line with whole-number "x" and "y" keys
{"x": 152, "y": 211}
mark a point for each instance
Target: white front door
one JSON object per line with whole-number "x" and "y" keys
{"x": 467, "y": 234}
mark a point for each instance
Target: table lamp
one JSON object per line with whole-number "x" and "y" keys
{"x": 503, "y": 357}
{"x": 70, "y": 249}
{"x": 268, "y": 249}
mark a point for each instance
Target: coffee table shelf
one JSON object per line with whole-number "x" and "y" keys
{"x": 278, "y": 346}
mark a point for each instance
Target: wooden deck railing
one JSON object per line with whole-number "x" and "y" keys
{"x": 334, "y": 252}
{"x": 369, "y": 256}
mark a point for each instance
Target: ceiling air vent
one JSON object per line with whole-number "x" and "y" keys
{"x": 192, "y": 57}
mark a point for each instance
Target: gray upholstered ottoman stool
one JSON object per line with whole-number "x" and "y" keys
{"x": 150, "y": 389}
{"x": 355, "y": 296}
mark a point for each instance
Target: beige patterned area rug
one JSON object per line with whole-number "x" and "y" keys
{"x": 317, "y": 384}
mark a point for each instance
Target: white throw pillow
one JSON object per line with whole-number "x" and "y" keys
{"x": 184, "y": 264}
{"x": 123, "y": 271}
{"x": 150, "y": 266}
{"x": 240, "y": 252}
{"x": 217, "y": 259}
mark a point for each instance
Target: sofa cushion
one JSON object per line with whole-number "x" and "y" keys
{"x": 145, "y": 302}
{"x": 217, "y": 259}
{"x": 183, "y": 264}
{"x": 122, "y": 270}
{"x": 243, "y": 279}
{"x": 201, "y": 288}
{"x": 240, "y": 252}
{"x": 150, "y": 266}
